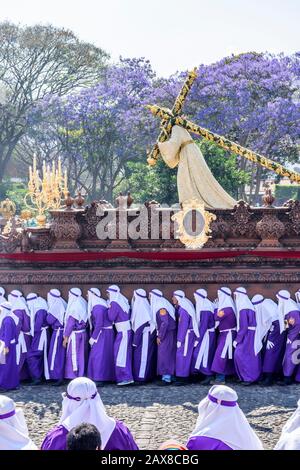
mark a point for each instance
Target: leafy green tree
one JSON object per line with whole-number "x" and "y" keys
{"x": 35, "y": 62}
{"x": 146, "y": 183}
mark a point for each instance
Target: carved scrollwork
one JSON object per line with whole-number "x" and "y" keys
{"x": 294, "y": 215}
{"x": 241, "y": 218}
{"x": 270, "y": 229}
{"x": 65, "y": 229}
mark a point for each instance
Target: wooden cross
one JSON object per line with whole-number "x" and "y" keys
{"x": 170, "y": 118}
{"x": 166, "y": 125}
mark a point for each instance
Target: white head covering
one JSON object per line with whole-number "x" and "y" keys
{"x": 82, "y": 404}
{"x": 77, "y": 305}
{"x": 17, "y": 301}
{"x": 224, "y": 299}
{"x": 94, "y": 298}
{"x": 264, "y": 314}
{"x": 242, "y": 302}
{"x": 6, "y": 310}
{"x": 187, "y": 305}
{"x": 290, "y": 434}
{"x": 202, "y": 303}
{"x": 2, "y": 295}
{"x": 116, "y": 296}
{"x": 220, "y": 417}
{"x": 285, "y": 303}
{"x": 57, "y": 306}
{"x": 35, "y": 303}
{"x": 141, "y": 310}
{"x": 158, "y": 301}
{"x": 13, "y": 428}
{"x": 297, "y": 296}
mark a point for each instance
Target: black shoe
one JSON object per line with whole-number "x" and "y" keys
{"x": 287, "y": 381}
{"x": 179, "y": 383}
{"x": 207, "y": 380}
{"x": 58, "y": 383}
{"x": 163, "y": 383}
{"x": 267, "y": 382}
{"x": 36, "y": 382}
{"x": 246, "y": 384}
{"x": 99, "y": 383}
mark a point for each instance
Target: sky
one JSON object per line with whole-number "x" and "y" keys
{"x": 173, "y": 34}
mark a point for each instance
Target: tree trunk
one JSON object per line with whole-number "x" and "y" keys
{"x": 5, "y": 155}
{"x": 257, "y": 184}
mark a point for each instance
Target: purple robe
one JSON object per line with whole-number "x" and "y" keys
{"x": 101, "y": 359}
{"x": 121, "y": 320}
{"x": 186, "y": 336}
{"x": 144, "y": 354}
{"x": 23, "y": 328}
{"x": 206, "y": 443}
{"x": 247, "y": 365}
{"x": 289, "y": 364}
{"x": 166, "y": 350}
{"x": 9, "y": 372}
{"x": 76, "y": 331}
{"x": 120, "y": 439}
{"x": 57, "y": 353}
{"x": 35, "y": 356}
{"x": 272, "y": 360}
{"x": 206, "y": 333}
{"x": 224, "y": 365}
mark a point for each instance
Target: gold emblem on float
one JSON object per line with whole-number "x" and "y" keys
{"x": 193, "y": 224}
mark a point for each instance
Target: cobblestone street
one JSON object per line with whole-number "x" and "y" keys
{"x": 154, "y": 414}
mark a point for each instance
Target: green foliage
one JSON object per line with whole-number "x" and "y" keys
{"x": 223, "y": 166}
{"x": 15, "y": 192}
{"x": 146, "y": 183}
{"x": 284, "y": 192}
{"x": 159, "y": 182}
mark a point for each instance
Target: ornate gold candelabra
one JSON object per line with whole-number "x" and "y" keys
{"x": 46, "y": 191}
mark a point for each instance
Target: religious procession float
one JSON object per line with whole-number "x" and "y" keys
{"x": 208, "y": 239}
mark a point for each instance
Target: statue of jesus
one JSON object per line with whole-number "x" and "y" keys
{"x": 194, "y": 178}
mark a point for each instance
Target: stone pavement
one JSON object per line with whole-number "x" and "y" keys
{"x": 155, "y": 414}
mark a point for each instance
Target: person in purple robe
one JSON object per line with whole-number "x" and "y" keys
{"x": 144, "y": 338}
{"x": 272, "y": 337}
{"x": 297, "y": 375}
{"x": 289, "y": 310}
{"x": 37, "y": 356}
{"x": 187, "y": 333}
{"x": 82, "y": 404}
{"x": 57, "y": 352}
{"x": 119, "y": 315}
{"x": 221, "y": 424}
{"x": 247, "y": 344}
{"x": 20, "y": 310}
{"x": 205, "y": 345}
{"x": 101, "y": 358}
{"x": 13, "y": 427}
{"x": 225, "y": 319}
{"x": 9, "y": 371}
{"x": 75, "y": 335}
{"x": 163, "y": 313}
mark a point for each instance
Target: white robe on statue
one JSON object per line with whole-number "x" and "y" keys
{"x": 194, "y": 178}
